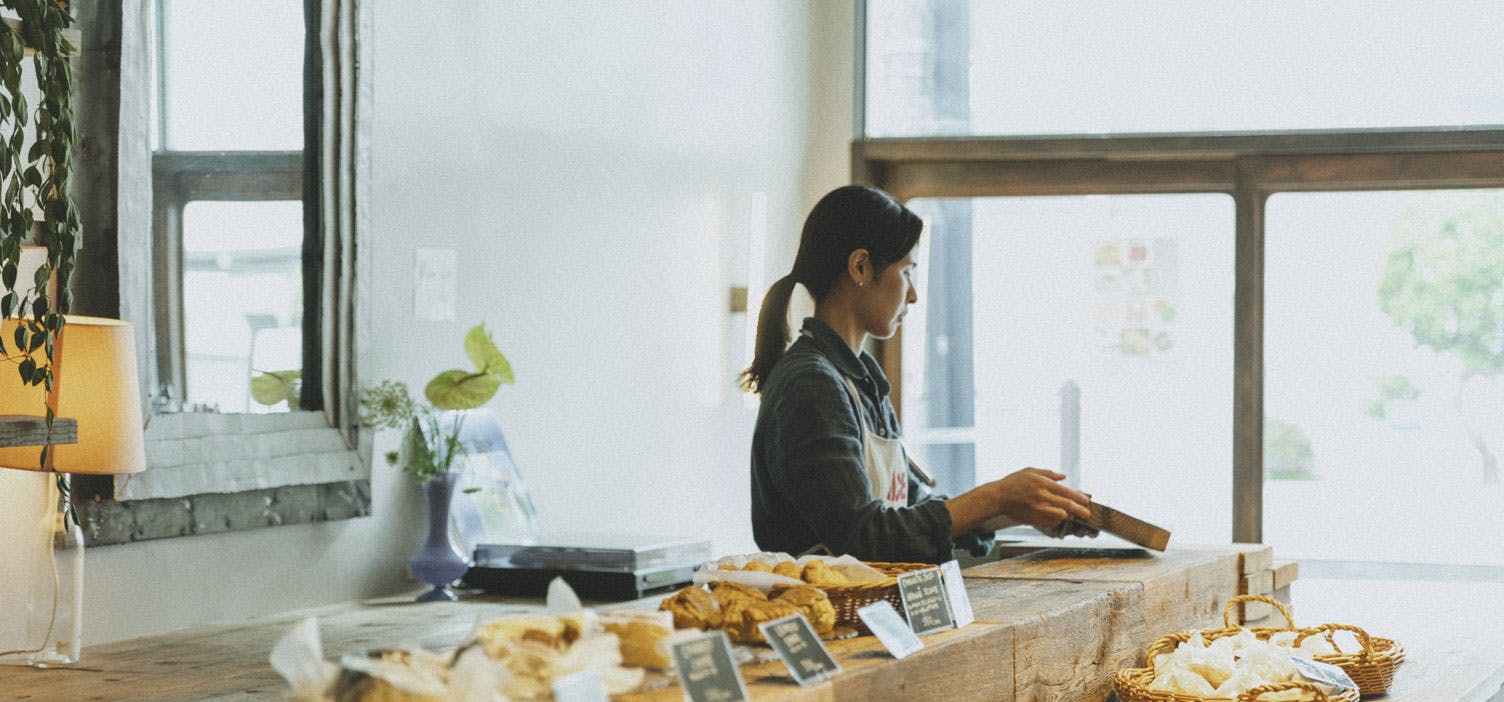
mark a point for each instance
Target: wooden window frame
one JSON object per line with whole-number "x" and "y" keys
{"x": 1249, "y": 167}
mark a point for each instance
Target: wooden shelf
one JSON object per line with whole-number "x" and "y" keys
{"x": 22, "y": 430}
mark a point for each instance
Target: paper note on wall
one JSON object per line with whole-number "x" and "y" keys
{"x": 435, "y": 274}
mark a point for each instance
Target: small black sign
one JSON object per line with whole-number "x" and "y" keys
{"x": 706, "y": 670}
{"x": 924, "y": 601}
{"x": 797, "y": 644}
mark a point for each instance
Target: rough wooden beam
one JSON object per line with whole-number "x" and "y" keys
{"x": 21, "y": 430}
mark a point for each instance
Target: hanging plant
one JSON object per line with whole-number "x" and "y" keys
{"x": 36, "y": 165}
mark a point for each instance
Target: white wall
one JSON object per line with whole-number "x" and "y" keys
{"x": 594, "y": 165}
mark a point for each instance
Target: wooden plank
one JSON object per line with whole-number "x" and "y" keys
{"x": 1183, "y": 588}
{"x": 1252, "y": 558}
{"x": 1285, "y": 572}
{"x": 1069, "y": 638}
{"x": 960, "y": 664}
{"x": 1172, "y": 146}
{"x": 21, "y": 430}
{"x": 1260, "y": 583}
{"x": 1256, "y": 613}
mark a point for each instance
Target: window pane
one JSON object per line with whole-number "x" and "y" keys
{"x": 1384, "y": 376}
{"x": 242, "y": 300}
{"x": 948, "y": 67}
{"x": 233, "y": 74}
{"x": 1087, "y": 334}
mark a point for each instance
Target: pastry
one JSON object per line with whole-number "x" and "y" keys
{"x": 693, "y": 608}
{"x": 788, "y": 569}
{"x": 744, "y": 616}
{"x": 727, "y": 592}
{"x": 820, "y": 574}
{"x": 642, "y": 635}
{"x": 814, "y": 604}
{"x": 758, "y": 567}
{"x": 547, "y": 630}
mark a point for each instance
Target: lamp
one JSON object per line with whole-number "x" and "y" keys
{"x": 94, "y": 382}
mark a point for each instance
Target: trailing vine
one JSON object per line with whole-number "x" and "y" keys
{"x": 36, "y": 166}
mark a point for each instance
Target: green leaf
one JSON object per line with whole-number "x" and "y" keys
{"x": 486, "y": 357}
{"x": 270, "y": 388}
{"x": 457, "y": 390}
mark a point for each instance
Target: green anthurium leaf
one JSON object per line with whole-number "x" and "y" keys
{"x": 270, "y": 388}
{"x": 486, "y": 357}
{"x": 458, "y": 390}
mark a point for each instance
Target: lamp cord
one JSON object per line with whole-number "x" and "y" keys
{"x": 56, "y": 578}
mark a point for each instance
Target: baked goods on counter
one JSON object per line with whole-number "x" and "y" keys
{"x": 737, "y": 593}
{"x": 643, "y": 636}
{"x": 512, "y": 657}
{"x": 693, "y": 608}
{"x": 814, "y": 604}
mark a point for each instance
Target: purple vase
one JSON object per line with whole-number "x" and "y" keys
{"x": 440, "y": 561}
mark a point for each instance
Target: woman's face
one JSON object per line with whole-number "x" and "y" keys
{"x": 888, "y": 298}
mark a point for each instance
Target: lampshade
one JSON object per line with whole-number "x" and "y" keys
{"x": 94, "y": 373}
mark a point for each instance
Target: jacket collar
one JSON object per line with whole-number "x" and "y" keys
{"x": 864, "y": 368}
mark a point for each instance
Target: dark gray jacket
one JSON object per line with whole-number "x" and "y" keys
{"x": 809, "y": 485}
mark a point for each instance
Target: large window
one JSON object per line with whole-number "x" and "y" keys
{"x": 1232, "y": 281}
{"x": 1097, "y": 343}
{"x": 961, "y": 67}
{"x": 1384, "y": 384}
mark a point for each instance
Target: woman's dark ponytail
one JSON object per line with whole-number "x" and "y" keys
{"x": 848, "y": 218}
{"x": 772, "y": 333}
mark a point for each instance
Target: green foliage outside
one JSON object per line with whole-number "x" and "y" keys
{"x": 1392, "y": 389}
{"x": 1287, "y": 451}
{"x": 1443, "y": 283}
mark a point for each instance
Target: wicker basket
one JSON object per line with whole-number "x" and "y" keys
{"x": 1132, "y": 685}
{"x": 1372, "y": 667}
{"x": 847, "y": 599}
{"x": 1168, "y": 642}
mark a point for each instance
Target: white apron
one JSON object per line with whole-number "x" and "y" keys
{"x": 884, "y": 458}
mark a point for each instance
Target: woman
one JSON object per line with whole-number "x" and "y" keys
{"x": 828, "y": 471}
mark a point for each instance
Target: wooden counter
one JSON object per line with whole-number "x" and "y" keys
{"x": 1050, "y": 626}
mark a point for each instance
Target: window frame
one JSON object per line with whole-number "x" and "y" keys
{"x": 1249, "y": 167}
{"x": 207, "y": 472}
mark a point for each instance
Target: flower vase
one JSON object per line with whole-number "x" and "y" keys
{"x": 440, "y": 561}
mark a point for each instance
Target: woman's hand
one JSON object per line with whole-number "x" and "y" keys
{"x": 1030, "y": 496}
{"x": 1036, "y": 497}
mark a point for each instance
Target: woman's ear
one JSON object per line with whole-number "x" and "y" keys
{"x": 859, "y": 267}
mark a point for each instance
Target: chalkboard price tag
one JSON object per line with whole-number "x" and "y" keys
{"x": 955, "y": 593}
{"x": 797, "y": 644}
{"x": 924, "y": 601}
{"x": 706, "y": 670}
{"x": 889, "y": 628}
